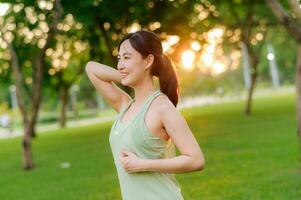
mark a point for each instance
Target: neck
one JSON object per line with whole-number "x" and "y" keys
{"x": 143, "y": 90}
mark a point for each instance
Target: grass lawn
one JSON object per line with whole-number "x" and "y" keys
{"x": 247, "y": 158}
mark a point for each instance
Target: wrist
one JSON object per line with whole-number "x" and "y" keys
{"x": 145, "y": 165}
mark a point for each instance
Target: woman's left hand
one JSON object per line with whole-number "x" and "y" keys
{"x": 130, "y": 162}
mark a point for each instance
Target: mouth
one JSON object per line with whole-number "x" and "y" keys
{"x": 123, "y": 75}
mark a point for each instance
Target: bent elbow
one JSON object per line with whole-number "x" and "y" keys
{"x": 200, "y": 165}
{"x": 89, "y": 66}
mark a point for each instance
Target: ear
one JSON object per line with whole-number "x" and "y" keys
{"x": 149, "y": 61}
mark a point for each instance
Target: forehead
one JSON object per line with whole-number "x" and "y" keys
{"x": 126, "y": 47}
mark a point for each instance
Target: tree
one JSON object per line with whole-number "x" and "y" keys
{"x": 31, "y": 29}
{"x": 292, "y": 22}
{"x": 240, "y": 16}
{"x": 67, "y": 57}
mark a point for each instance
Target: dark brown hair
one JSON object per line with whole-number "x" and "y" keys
{"x": 146, "y": 43}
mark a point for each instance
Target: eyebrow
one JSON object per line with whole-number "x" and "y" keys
{"x": 125, "y": 54}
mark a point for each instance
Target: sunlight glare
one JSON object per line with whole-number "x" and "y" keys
{"x": 3, "y": 8}
{"x": 187, "y": 58}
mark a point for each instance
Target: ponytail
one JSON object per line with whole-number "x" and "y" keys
{"x": 169, "y": 85}
{"x": 168, "y": 79}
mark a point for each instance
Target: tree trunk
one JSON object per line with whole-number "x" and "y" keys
{"x": 32, "y": 129}
{"x": 254, "y": 63}
{"x": 248, "y": 107}
{"x": 26, "y": 146}
{"x": 64, "y": 101}
{"x": 298, "y": 94}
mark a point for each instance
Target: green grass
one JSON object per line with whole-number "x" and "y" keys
{"x": 247, "y": 158}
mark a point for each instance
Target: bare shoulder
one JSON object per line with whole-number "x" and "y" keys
{"x": 167, "y": 113}
{"x": 164, "y": 106}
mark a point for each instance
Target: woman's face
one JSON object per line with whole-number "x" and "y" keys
{"x": 131, "y": 65}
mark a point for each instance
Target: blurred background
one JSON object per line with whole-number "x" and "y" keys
{"x": 239, "y": 68}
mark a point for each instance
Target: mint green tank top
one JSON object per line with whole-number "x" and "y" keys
{"x": 136, "y": 137}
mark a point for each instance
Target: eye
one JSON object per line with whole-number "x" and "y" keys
{"x": 126, "y": 57}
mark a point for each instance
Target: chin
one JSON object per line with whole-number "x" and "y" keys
{"x": 128, "y": 82}
{"x": 125, "y": 82}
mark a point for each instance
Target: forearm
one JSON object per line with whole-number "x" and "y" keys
{"x": 103, "y": 72}
{"x": 178, "y": 164}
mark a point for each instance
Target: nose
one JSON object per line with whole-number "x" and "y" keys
{"x": 120, "y": 66}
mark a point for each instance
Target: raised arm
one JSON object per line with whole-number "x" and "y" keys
{"x": 103, "y": 77}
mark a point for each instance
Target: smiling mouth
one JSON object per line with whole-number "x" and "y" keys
{"x": 123, "y": 75}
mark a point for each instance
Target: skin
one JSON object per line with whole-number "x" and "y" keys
{"x": 162, "y": 118}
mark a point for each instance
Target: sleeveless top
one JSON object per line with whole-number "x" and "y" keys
{"x": 137, "y": 138}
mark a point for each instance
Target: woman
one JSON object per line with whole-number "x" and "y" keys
{"x": 147, "y": 127}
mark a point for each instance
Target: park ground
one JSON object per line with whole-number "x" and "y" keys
{"x": 247, "y": 157}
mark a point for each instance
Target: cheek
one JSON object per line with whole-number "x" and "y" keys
{"x": 134, "y": 67}
{"x": 135, "y": 74}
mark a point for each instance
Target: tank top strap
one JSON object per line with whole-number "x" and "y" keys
{"x": 149, "y": 101}
{"x": 125, "y": 108}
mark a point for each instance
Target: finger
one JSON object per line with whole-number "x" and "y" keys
{"x": 123, "y": 153}
{"x": 126, "y": 152}
{"x": 121, "y": 158}
{"x": 126, "y": 161}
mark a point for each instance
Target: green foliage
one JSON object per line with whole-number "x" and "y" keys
{"x": 285, "y": 55}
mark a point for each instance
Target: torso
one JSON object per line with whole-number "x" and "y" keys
{"x": 152, "y": 118}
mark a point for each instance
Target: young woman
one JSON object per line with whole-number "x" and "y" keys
{"x": 147, "y": 127}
